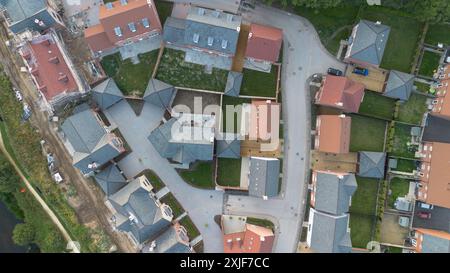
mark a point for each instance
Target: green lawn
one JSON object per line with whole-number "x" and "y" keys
{"x": 174, "y": 70}
{"x": 367, "y": 134}
{"x": 260, "y": 222}
{"x": 334, "y": 43}
{"x": 154, "y": 179}
{"x": 190, "y": 227}
{"x": 164, "y": 9}
{"x": 362, "y": 211}
{"x": 229, "y": 172}
{"x": 430, "y": 62}
{"x": 259, "y": 84}
{"x": 376, "y": 105}
{"x": 405, "y": 165}
{"x": 402, "y": 136}
{"x": 328, "y": 21}
{"x": 233, "y": 101}
{"x": 422, "y": 87}
{"x": 403, "y": 39}
{"x": 131, "y": 78}
{"x": 200, "y": 175}
{"x": 399, "y": 187}
{"x": 412, "y": 111}
{"x": 438, "y": 34}
{"x": 173, "y": 203}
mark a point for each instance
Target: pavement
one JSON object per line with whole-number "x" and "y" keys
{"x": 144, "y": 156}
{"x": 304, "y": 55}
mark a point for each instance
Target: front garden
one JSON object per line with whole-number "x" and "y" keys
{"x": 229, "y": 172}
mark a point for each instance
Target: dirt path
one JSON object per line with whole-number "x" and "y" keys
{"x": 89, "y": 202}
{"x": 37, "y": 197}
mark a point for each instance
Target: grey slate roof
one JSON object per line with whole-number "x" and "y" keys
{"x": 138, "y": 212}
{"x": 169, "y": 242}
{"x": 88, "y": 138}
{"x": 333, "y": 193}
{"x": 181, "y": 32}
{"x": 369, "y": 42}
{"x": 159, "y": 93}
{"x": 264, "y": 177}
{"x": 184, "y": 153}
{"x": 329, "y": 233}
{"x": 107, "y": 94}
{"x": 110, "y": 180}
{"x": 372, "y": 164}
{"x": 234, "y": 83}
{"x": 229, "y": 147}
{"x": 433, "y": 244}
{"x": 399, "y": 85}
{"x": 436, "y": 129}
{"x": 22, "y": 14}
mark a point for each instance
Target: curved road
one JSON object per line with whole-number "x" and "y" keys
{"x": 304, "y": 55}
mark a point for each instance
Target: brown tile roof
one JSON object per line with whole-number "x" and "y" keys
{"x": 264, "y": 43}
{"x": 254, "y": 239}
{"x": 435, "y": 178}
{"x": 121, "y": 16}
{"x": 261, "y": 114}
{"x": 442, "y": 106}
{"x": 97, "y": 38}
{"x": 333, "y": 134}
{"x": 49, "y": 69}
{"x": 341, "y": 92}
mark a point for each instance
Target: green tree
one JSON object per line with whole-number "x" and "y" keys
{"x": 435, "y": 11}
{"x": 9, "y": 182}
{"x": 23, "y": 234}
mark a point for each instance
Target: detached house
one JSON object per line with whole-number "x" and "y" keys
{"x": 208, "y": 31}
{"x": 26, "y": 15}
{"x": 341, "y": 93}
{"x": 122, "y": 23}
{"x": 333, "y": 134}
{"x": 367, "y": 43}
{"x": 138, "y": 213}
{"x": 51, "y": 70}
{"x": 264, "y": 43}
{"x": 87, "y": 140}
{"x": 173, "y": 240}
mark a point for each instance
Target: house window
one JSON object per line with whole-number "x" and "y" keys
{"x": 210, "y": 41}
{"x": 196, "y": 38}
{"x": 145, "y": 23}
{"x": 109, "y": 5}
{"x": 132, "y": 27}
{"x": 118, "y": 31}
{"x": 224, "y": 44}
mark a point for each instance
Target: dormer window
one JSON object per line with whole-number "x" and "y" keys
{"x": 132, "y": 27}
{"x": 145, "y": 23}
{"x": 224, "y": 44}
{"x": 196, "y": 38}
{"x": 123, "y": 2}
{"x": 210, "y": 41}
{"x": 109, "y": 5}
{"x": 118, "y": 31}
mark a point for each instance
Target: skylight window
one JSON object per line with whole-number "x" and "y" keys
{"x": 132, "y": 27}
{"x": 118, "y": 31}
{"x": 210, "y": 41}
{"x": 224, "y": 44}
{"x": 123, "y": 2}
{"x": 196, "y": 38}
{"x": 145, "y": 23}
{"x": 109, "y": 5}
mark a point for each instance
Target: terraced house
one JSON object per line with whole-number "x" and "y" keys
{"x": 123, "y": 22}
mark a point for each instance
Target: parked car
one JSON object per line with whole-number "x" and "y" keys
{"x": 335, "y": 72}
{"x": 426, "y": 206}
{"x": 18, "y": 94}
{"x": 424, "y": 215}
{"x": 361, "y": 71}
{"x": 26, "y": 112}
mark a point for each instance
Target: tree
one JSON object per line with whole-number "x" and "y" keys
{"x": 434, "y": 11}
{"x": 315, "y": 4}
{"x": 23, "y": 234}
{"x": 8, "y": 178}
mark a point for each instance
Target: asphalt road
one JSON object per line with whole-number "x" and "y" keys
{"x": 304, "y": 56}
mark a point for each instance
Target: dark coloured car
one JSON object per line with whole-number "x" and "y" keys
{"x": 335, "y": 72}
{"x": 361, "y": 71}
{"x": 424, "y": 215}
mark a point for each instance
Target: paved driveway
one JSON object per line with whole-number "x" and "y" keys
{"x": 202, "y": 205}
{"x": 304, "y": 55}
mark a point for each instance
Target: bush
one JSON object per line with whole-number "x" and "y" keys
{"x": 23, "y": 234}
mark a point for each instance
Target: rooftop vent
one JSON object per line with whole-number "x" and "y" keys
{"x": 63, "y": 78}
{"x": 54, "y": 60}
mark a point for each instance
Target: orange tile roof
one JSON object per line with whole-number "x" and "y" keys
{"x": 436, "y": 176}
{"x": 333, "y": 134}
{"x": 97, "y": 38}
{"x": 264, "y": 43}
{"x": 121, "y": 16}
{"x": 264, "y": 122}
{"x": 254, "y": 239}
{"x": 341, "y": 92}
{"x": 442, "y": 106}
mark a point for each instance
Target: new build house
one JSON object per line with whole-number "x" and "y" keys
{"x": 51, "y": 70}
{"x": 122, "y": 23}
{"x": 88, "y": 141}
{"x": 33, "y": 16}
{"x": 333, "y": 134}
{"x": 264, "y": 43}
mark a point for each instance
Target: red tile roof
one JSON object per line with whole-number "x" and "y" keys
{"x": 341, "y": 92}
{"x": 254, "y": 239}
{"x": 264, "y": 115}
{"x": 333, "y": 134}
{"x": 101, "y": 37}
{"x": 49, "y": 70}
{"x": 264, "y": 43}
